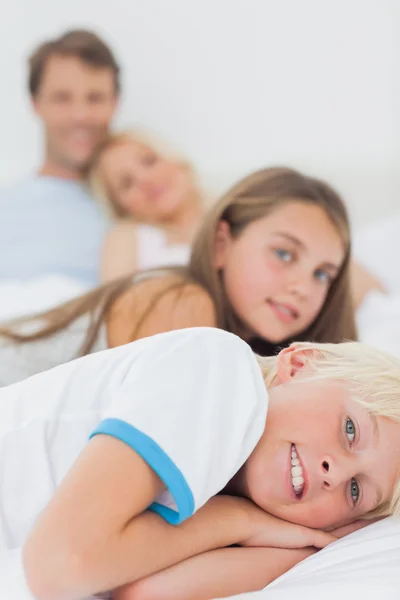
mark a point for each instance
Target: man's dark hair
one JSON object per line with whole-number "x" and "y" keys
{"x": 79, "y": 43}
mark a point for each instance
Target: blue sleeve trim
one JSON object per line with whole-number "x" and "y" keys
{"x": 161, "y": 464}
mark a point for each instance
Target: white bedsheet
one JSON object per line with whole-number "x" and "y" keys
{"x": 25, "y": 298}
{"x": 377, "y": 247}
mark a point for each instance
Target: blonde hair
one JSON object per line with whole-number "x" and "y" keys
{"x": 147, "y": 139}
{"x": 371, "y": 376}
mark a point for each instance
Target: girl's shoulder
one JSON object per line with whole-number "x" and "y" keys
{"x": 158, "y": 304}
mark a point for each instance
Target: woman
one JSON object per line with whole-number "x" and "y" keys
{"x": 153, "y": 196}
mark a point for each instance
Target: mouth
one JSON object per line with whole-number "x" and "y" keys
{"x": 81, "y": 136}
{"x": 156, "y": 192}
{"x": 298, "y": 475}
{"x": 285, "y": 312}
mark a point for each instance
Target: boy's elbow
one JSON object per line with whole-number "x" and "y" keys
{"x": 52, "y": 573}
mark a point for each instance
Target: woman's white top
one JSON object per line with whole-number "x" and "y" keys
{"x": 154, "y": 250}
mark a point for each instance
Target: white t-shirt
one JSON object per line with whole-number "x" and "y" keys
{"x": 192, "y": 403}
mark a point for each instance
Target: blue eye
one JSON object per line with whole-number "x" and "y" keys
{"x": 350, "y": 430}
{"x": 354, "y": 487}
{"x": 284, "y": 255}
{"x": 354, "y": 491}
{"x": 323, "y": 276}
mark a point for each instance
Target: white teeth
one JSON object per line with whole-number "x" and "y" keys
{"x": 296, "y": 472}
{"x": 297, "y": 481}
{"x": 284, "y": 309}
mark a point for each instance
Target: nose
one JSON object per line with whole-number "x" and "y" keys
{"x": 300, "y": 283}
{"x": 335, "y": 472}
{"x": 81, "y": 111}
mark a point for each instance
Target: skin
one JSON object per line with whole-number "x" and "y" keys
{"x": 178, "y": 308}
{"x": 295, "y": 253}
{"x": 363, "y": 282}
{"x": 75, "y": 103}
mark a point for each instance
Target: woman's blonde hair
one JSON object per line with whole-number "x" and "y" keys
{"x": 145, "y": 138}
{"x": 253, "y": 198}
{"x": 371, "y": 376}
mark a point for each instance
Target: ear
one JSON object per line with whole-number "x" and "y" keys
{"x": 36, "y": 106}
{"x": 223, "y": 241}
{"x": 291, "y": 361}
{"x": 116, "y": 104}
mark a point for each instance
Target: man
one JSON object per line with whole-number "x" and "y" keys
{"x": 49, "y": 223}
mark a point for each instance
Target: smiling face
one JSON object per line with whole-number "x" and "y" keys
{"x": 143, "y": 183}
{"x": 76, "y": 103}
{"x": 278, "y": 271}
{"x": 323, "y": 461}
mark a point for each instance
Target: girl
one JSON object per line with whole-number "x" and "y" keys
{"x": 270, "y": 263}
{"x": 154, "y": 197}
{"x": 307, "y": 439}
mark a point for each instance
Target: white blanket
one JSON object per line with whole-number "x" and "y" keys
{"x": 18, "y": 298}
{"x": 377, "y": 247}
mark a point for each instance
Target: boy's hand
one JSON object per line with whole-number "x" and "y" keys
{"x": 355, "y": 526}
{"x": 268, "y": 531}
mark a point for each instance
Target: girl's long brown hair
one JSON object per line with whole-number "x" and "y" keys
{"x": 251, "y": 199}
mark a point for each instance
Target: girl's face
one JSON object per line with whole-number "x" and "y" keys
{"x": 278, "y": 271}
{"x": 144, "y": 184}
{"x": 346, "y": 461}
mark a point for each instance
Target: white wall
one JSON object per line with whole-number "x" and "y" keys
{"x": 237, "y": 84}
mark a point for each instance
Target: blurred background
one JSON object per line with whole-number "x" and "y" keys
{"x": 236, "y": 84}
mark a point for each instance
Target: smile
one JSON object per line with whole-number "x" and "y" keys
{"x": 297, "y": 472}
{"x": 284, "y": 312}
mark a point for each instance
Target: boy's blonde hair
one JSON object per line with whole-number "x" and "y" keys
{"x": 144, "y": 138}
{"x": 371, "y": 376}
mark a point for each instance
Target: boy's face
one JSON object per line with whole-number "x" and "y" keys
{"x": 323, "y": 461}
{"x": 76, "y": 103}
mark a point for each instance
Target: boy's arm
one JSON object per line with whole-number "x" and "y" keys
{"x": 216, "y": 574}
{"x": 92, "y": 536}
